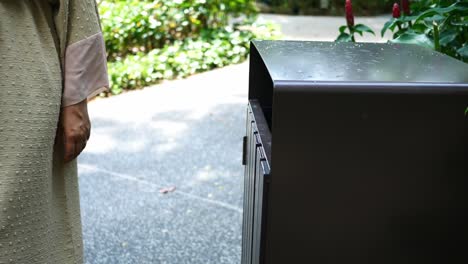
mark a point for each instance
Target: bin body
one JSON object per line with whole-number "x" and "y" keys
{"x": 257, "y": 144}
{"x": 366, "y": 154}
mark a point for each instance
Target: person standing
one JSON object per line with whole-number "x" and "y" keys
{"x": 52, "y": 59}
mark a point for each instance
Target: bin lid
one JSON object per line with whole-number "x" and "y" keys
{"x": 361, "y": 63}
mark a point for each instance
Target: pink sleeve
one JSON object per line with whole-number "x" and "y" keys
{"x": 85, "y": 70}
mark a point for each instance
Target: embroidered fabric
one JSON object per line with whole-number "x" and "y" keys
{"x": 85, "y": 70}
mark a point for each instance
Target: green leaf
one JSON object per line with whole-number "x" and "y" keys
{"x": 363, "y": 28}
{"x": 413, "y": 38}
{"x": 429, "y": 21}
{"x": 458, "y": 6}
{"x": 388, "y": 24}
{"x": 404, "y": 19}
{"x": 343, "y": 28}
{"x": 420, "y": 28}
{"x": 344, "y": 37}
{"x": 356, "y": 31}
{"x": 463, "y": 51}
{"x": 447, "y": 36}
{"x": 392, "y": 23}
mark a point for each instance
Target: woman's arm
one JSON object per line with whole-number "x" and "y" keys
{"x": 84, "y": 70}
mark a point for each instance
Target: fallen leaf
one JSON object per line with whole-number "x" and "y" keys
{"x": 167, "y": 190}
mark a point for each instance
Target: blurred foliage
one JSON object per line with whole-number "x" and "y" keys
{"x": 336, "y": 7}
{"x": 214, "y": 48}
{"x": 440, "y": 25}
{"x": 351, "y": 31}
{"x": 131, "y": 26}
{"x": 148, "y": 41}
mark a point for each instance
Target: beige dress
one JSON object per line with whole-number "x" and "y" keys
{"x": 39, "y": 203}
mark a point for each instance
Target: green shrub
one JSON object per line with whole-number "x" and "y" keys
{"x": 132, "y": 26}
{"x": 148, "y": 41}
{"x": 214, "y": 48}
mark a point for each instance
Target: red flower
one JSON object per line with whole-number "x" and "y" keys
{"x": 406, "y": 7}
{"x": 396, "y": 11}
{"x": 349, "y": 13}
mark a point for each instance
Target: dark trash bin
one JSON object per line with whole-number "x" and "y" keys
{"x": 355, "y": 153}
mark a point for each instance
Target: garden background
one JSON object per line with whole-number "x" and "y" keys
{"x": 151, "y": 40}
{"x": 148, "y": 41}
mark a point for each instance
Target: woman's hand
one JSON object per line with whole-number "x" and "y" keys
{"x": 74, "y": 129}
